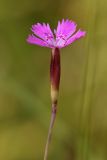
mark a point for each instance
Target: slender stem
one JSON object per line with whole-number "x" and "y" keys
{"x": 53, "y": 116}
{"x": 55, "y": 80}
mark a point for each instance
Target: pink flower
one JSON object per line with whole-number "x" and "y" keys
{"x": 64, "y": 35}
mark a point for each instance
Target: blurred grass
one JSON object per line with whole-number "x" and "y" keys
{"x": 81, "y": 126}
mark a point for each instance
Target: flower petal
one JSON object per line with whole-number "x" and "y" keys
{"x": 65, "y": 29}
{"x": 34, "y": 40}
{"x": 79, "y": 34}
{"x": 44, "y": 32}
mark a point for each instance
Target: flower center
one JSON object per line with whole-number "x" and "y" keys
{"x": 60, "y": 40}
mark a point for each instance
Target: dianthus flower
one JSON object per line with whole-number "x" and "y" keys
{"x": 64, "y": 35}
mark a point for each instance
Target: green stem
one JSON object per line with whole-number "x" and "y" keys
{"x": 53, "y": 116}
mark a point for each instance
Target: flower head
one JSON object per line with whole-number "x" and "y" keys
{"x": 64, "y": 35}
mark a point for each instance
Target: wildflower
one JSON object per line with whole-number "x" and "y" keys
{"x": 64, "y": 35}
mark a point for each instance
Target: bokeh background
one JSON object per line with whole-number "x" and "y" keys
{"x": 80, "y": 131}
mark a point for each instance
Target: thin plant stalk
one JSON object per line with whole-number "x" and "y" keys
{"x": 53, "y": 116}
{"x": 55, "y": 80}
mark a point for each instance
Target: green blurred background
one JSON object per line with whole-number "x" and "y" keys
{"x": 80, "y": 131}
